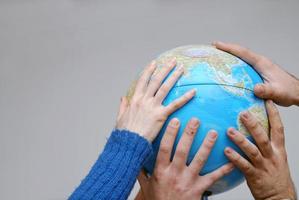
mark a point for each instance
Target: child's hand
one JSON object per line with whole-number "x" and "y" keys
{"x": 145, "y": 114}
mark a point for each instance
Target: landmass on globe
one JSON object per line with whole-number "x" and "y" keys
{"x": 219, "y": 66}
{"x": 224, "y": 88}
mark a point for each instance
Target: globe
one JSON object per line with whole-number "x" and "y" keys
{"x": 224, "y": 85}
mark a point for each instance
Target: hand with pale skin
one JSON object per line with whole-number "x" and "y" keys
{"x": 145, "y": 114}
{"x": 173, "y": 180}
{"x": 267, "y": 171}
{"x": 279, "y": 86}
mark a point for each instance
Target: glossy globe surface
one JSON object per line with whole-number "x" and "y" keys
{"x": 224, "y": 85}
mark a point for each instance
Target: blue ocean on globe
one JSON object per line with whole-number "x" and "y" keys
{"x": 224, "y": 88}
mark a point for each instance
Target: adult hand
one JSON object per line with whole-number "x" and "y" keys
{"x": 280, "y": 86}
{"x": 173, "y": 180}
{"x": 267, "y": 171}
{"x": 145, "y": 114}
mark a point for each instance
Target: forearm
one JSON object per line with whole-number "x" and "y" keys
{"x": 114, "y": 173}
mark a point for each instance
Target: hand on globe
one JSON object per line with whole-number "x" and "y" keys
{"x": 145, "y": 114}
{"x": 173, "y": 180}
{"x": 279, "y": 86}
{"x": 267, "y": 173}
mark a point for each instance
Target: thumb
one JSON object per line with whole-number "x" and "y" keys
{"x": 264, "y": 91}
{"x": 142, "y": 179}
{"x": 123, "y": 106}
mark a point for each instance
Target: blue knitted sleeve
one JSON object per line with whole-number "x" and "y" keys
{"x": 115, "y": 172}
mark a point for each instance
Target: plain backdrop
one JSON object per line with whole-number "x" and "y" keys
{"x": 65, "y": 64}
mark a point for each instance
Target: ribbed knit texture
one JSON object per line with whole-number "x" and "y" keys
{"x": 114, "y": 173}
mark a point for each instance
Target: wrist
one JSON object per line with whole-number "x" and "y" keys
{"x": 288, "y": 194}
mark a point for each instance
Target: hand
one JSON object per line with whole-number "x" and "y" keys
{"x": 145, "y": 114}
{"x": 173, "y": 180}
{"x": 267, "y": 172}
{"x": 279, "y": 86}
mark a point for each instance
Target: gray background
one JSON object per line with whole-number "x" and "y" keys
{"x": 64, "y": 65}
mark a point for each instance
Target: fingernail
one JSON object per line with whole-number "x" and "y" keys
{"x": 174, "y": 122}
{"x": 228, "y": 150}
{"x": 245, "y": 115}
{"x": 232, "y": 131}
{"x": 213, "y": 134}
{"x": 194, "y": 122}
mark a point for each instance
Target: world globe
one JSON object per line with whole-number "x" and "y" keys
{"x": 224, "y": 85}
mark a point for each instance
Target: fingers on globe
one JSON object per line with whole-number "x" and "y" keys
{"x": 167, "y": 142}
{"x": 264, "y": 91}
{"x": 168, "y": 85}
{"x": 258, "y": 133}
{"x": 203, "y": 152}
{"x": 254, "y": 59}
{"x": 157, "y": 79}
{"x": 142, "y": 82}
{"x": 217, "y": 174}
{"x": 244, "y": 165}
{"x": 181, "y": 101}
{"x": 184, "y": 145}
{"x": 250, "y": 150}
{"x": 277, "y": 129}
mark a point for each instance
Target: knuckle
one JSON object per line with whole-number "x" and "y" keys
{"x": 270, "y": 92}
{"x": 163, "y": 89}
{"x": 178, "y": 187}
{"x": 164, "y": 149}
{"x": 247, "y": 169}
{"x": 280, "y": 128}
{"x": 208, "y": 144}
{"x": 136, "y": 102}
{"x": 190, "y": 130}
{"x": 154, "y": 80}
{"x": 254, "y": 153}
{"x": 237, "y": 158}
{"x": 264, "y": 141}
{"x": 253, "y": 124}
{"x": 193, "y": 171}
{"x": 176, "y": 105}
{"x": 242, "y": 141}
{"x": 158, "y": 174}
